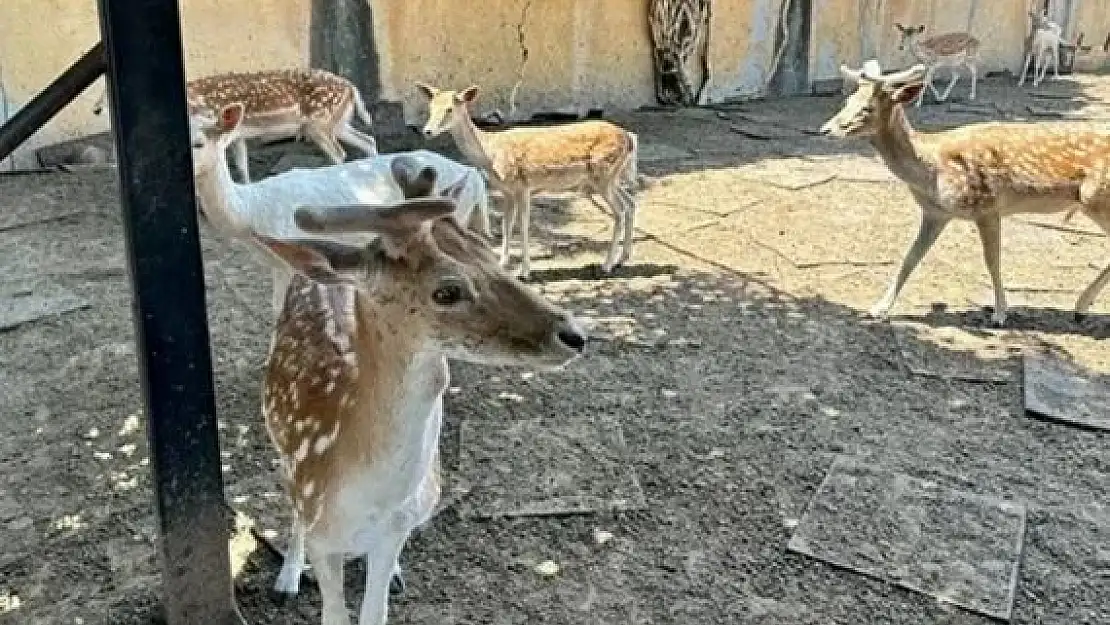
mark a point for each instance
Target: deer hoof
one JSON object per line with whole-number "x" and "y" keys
{"x": 879, "y": 312}
{"x": 998, "y": 319}
{"x": 397, "y": 584}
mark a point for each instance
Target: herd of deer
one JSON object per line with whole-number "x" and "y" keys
{"x": 383, "y": 267}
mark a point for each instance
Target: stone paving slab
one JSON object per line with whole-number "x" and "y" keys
{"x": 961, "y": 548}
{"x": 542, "y": 467}
{"x": 792, "y": 173}
{"x": 28, "y": 305}
{"x": 1058, "y": 391}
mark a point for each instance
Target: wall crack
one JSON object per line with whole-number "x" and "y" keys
{"x": 520, "y": 37}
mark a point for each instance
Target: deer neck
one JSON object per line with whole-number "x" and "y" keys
{"x": 901, "y": 149}
{"x": 473, "y": 143}
{"x": 399, "y": 393}
{"x": 220, "y": 200}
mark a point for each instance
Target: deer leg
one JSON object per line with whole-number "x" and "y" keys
{"x": 524, "y": 205}
{"x": 508, "y": 224}
{"x": 242, "y": 163}
{"x": 327, "y": 143}
{"x": 364, "y": 142}
{"x": 289, "y": 579}
{"x": 616, "y": 207}
{"x": 1056, "y": 60}
{"x": 951, "y": 84}
{"x": 1025, "y": 68}
{"x": 931, "y": 227}
{"x": 1095, "y": 195}
{"x": 928, "y": 81}
{"x": 974, "y": 70}
{"x": 629, "y": 223}
{"x": 478, "y": 219}
{"x": 329, "y": 577}
{"x": 380, "y": 563}
{"x": 990, "y": 235}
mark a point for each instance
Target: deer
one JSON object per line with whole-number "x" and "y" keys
{"x": 980, "y": 172}
{"x": 949, "y": 50}
{"x": 1043, "y": 44}
{"x": 284, "y": 103}
{"x": 594, "y": 156}
{"x": 266, "y": 206}
{"x": 353, "y": 388}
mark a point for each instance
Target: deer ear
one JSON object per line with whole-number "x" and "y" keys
{"x": 907, "y": 93}
{"x": 328, "y": 262}
{"x": 428, "y": 90}
{"x": 231, "y": 116}
{"x": 470, "y": 94}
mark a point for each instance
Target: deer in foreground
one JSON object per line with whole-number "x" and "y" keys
{"x": 950, "y": 50}
{"x": 353, "y": 389}
{"x": 282, "y": 104}
{"x": 593, "y": 156}
{"x": 267, "y": 206}
{"x": 1042, "y": 46}
{"x": 980, "y": 172}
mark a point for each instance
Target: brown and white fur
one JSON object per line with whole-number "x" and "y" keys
{"x": 288, "y": 103}
{"x": 950, "y": 50}
{"x": 980, "y": 172}
{"x": 592, "y": 156}
{"x": 353, "y": 389}
{"x": 1044, "y": 45}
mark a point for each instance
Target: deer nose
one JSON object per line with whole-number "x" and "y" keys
{"x": 573, "y": 338}
{"x": 428, "y": 133}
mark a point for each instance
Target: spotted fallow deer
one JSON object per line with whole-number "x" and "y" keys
{"x": 288, "y": 103}
{"x": 949, "y": 50}
{"x": 980, "y": 172}
{"x": 594, "y": 156}
{"x": 353, "y": 388}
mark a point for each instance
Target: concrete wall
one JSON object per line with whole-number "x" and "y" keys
{"x": 580, "y": 53}
{"x": 40, "y": 38}
{"x": 853, "y": 30}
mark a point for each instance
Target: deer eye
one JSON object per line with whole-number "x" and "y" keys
{"x": 448, "y": 295}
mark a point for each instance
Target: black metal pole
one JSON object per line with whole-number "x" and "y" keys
{"x": 147, "y": 96}
{"x": 52, "y": 99}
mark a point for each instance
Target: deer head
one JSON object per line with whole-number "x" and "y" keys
{"x": 875, "y": 98}
{"x": 211, "y": 134}
{"x": 430, "y": 278}
{"x": 908, "y": 35}
{"x": 446, "y": 109}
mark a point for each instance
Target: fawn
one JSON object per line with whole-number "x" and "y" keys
{"x": 595, "y": 156}
{"x": 951, "y": 50}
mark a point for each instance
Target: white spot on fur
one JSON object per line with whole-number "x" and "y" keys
{"x": 326, "y": 441}
{"x": 302, "y": 451}
{"x": 308, "y": 489}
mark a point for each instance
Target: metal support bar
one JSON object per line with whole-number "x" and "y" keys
{"x": 54, "y": 98}
{"x": 147, "y": 97}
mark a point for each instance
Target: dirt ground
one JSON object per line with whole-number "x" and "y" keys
{"x": 732, "y": 364}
